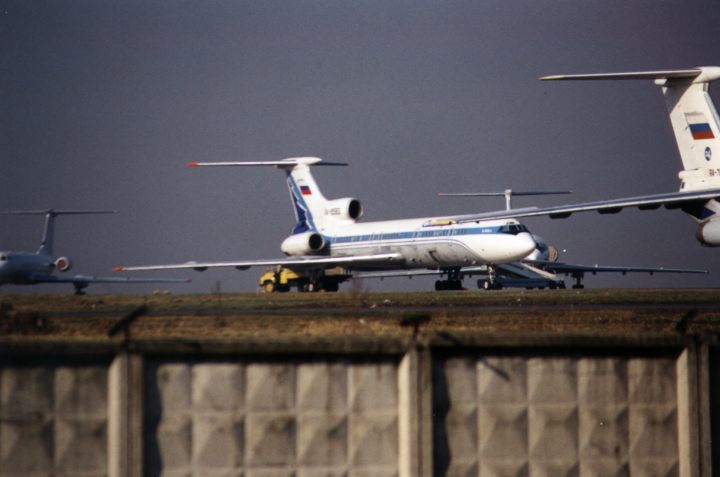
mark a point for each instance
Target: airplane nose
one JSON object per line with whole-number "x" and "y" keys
{"x": 526, "y": 243}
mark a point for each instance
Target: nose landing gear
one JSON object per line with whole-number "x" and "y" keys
{"x": 491, "y": 282}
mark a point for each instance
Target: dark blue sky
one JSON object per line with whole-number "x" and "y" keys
{"x": 104, "y": 102}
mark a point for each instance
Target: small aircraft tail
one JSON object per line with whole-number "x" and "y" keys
{"x": 46, "y": 246}
{"x": 693, "y": 116}
{"x": 312, "y": 210}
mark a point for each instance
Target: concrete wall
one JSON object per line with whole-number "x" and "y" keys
{"x": 53, "y": 419}
{"x": 514, "y": 411}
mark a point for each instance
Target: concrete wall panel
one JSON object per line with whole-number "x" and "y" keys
{"x": 256, "y": 418}
{"x": 550, "y": 415}
{"x": 53, "y": 420}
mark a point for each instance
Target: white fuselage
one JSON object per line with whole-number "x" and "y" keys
{"x": 433, "y": 243}
{"x": 19, "y": 267}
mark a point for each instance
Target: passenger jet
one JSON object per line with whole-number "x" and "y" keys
{"x": 328, "y": 234}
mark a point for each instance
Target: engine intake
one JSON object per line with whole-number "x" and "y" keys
{"x": 307, "y": 243}
{"x": 63, "y": 264}
{"x": 346, "y": 209}
{"x": 708, "y": 233}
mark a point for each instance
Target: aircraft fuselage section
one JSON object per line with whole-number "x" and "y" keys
{"x": 19, "y": 267}
{"x": 427, "y": 243}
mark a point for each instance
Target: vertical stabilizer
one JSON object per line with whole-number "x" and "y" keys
{"x": 696, "y": 127}
{"x": 48, "y": 238}
{"x": 307, "y": 199}
{"x": 308, "y": 202}
{"x": 693, "y": 117}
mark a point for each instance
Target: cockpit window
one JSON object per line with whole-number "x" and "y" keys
{"x": 513, "y": 229}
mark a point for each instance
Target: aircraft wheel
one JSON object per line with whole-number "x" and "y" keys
{"x": 268, "y": 287}
{"x": 331, "y": 286}
{"x": 456, "y": 285}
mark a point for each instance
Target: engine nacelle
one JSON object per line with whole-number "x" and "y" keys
{"x": 63, "y": 264}
{"x": 346, "y": 209}
{"x": 307, "y": 243}
{"x": 708, "y": 233}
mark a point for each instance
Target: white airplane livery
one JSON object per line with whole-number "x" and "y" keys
{"x": 27, "y": 268}
{"x": 328, "y": 234}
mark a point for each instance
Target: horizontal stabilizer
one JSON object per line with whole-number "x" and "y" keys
{"x": 85, "y": 279}
{"x": 500, "y": 194}
{"x": 507, "y": 193}
{"x": 691, "y": 73}
{"x": 701, "y": 74}
{"x": 56, "y": 212}
{"x": 285, "y": 163}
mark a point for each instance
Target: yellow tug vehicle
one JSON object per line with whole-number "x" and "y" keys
{"x": 282, "y": 279}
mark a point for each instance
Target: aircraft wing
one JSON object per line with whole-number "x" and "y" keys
{"x": 295, "y": 262}
{"x": 86, "y": 279}
{"x": 689, "y": 201}
{"x": 569, "y": 268}
{"x": 551, "y": 267}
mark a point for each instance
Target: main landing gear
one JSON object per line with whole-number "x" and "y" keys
{"x": 80, "y": 288}
{"x": 453, "y": 282}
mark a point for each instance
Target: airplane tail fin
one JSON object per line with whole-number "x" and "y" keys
{"x": 693, "y": 116}
{"x": 46, "y": 246}
{"x": 309, "y": 204}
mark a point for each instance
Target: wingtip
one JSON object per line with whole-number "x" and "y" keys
{"x": 551, "y": 77}
{"x": 118, "y": 269}
{"x": 192, "y": 164}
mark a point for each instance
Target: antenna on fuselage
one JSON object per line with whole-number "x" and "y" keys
{"x": 46, "y": 246}
{"x": 507, "y": 193}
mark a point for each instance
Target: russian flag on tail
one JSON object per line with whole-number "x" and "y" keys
{"x": 699, "y": 126}
{"x": 305, "y": 190}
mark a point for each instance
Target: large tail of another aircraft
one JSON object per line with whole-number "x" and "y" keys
{"x": 693, "y": 117}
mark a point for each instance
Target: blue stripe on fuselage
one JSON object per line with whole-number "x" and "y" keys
{"x": 420, "y": 234}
